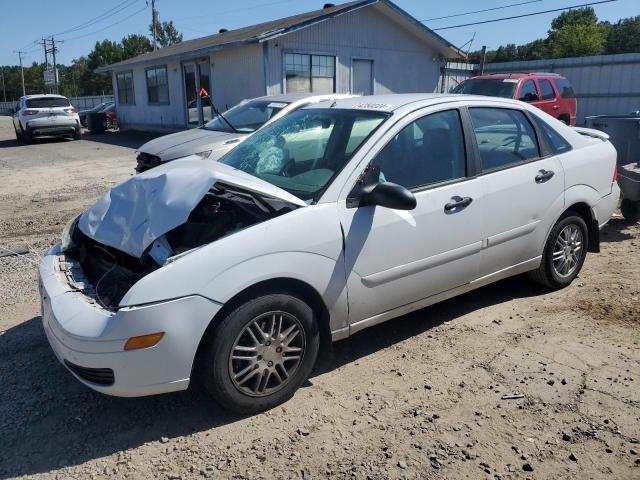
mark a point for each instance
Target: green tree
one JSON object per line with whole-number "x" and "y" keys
{"x": 166, "y": 33}
{"x": 577, "y": 41}
{"x": 624, "y": 36}
{"x": 578, "y": 16}
{"x": 134, "y": 45}
{"x": 103, "y": 53}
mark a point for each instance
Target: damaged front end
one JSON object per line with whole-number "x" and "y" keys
{"x": 154, "y": 218}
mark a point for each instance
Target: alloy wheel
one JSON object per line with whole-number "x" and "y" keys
{"x": 267, "y": 353}
{"x": 567, "y": 250}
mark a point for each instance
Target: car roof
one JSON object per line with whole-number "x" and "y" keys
{"x": 295, "y": 97}
{"x": 43, "y": 95}
{"x": 516, "y": 75}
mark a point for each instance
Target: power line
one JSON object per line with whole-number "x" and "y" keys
{"x": 524, "y": 15}
{"x": 108, "y": 26}
{"x": 481, "y": 11}
{"x": 98, "y": 18}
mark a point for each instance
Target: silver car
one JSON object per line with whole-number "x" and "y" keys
{"x": 332, "y": 219}
{"x": 50, "y": 115}
{"x": 218, "y": 136}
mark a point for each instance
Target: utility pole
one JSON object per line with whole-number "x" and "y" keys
{"x": 4, "y": 91}
{"x": 20, "y": 52}
{"x": 154, "y": 23}
{"x": 483, "y": 59}
{"x": 55, "y": 66}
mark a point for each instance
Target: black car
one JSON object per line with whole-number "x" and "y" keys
{"x": 84, "y": 114}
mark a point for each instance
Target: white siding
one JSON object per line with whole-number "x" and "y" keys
{"x": 402, "y": 62}
{"x": 238, "y": 73}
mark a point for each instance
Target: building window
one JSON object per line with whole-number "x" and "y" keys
{"x": 124, "y": 82}
{"x": 310, "y": 73}
{"x": 157, "y": 85}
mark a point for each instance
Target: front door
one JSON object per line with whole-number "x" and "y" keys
{"x": 362, "y": 71}
{"x": 394, "y": 258}
{"x": 197, "y": 87}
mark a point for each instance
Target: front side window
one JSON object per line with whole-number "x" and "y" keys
{"x": 246, "y": 117}
{"x": 492, "y": 87}
{"x": 427, "y": 151}
{"x": 310, "y": 73}
{"x": 565, "y": 88}
{"x": 157, "y": 85}
{"x": 303, "y": 151}
{"x": 124, "y": 83}
{"x": 504, "y": 136}
{"x": 547, "y": 90}
{"x": 528, "y": 92}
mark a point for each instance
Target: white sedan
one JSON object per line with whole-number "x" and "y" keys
{"x": 334, "y": 218}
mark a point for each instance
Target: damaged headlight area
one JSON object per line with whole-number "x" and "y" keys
{"x": 223, "y": 210}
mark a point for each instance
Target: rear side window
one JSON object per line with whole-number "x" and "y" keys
{"x": 555, "y": 140}
{"x": 504, "y": 136}
{"x": 47, "y": 102}
{"x": 528, "y": 92}
{"x": 427, "y": 151}
{"x": 547, "y": 90}
{"x": 565, "y": 88}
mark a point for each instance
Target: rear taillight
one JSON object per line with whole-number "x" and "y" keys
{"x": 26, "y": 113}
{"x": 615, "y": 173}
{"x": 70, "y": 111}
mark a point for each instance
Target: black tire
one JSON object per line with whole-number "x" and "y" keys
{"x": 77, "y": 134}
{"x": 630, "y": 210}
{"x": 546, "y": 274}
{"x": 18, "y": 136}
{"x": 27, "y": 136}
{"x": 216, "y": 366}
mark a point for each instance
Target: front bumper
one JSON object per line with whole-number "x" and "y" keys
{"x": 89, "y": 340}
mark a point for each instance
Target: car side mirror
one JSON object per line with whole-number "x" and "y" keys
{"x": 388, "y": 195}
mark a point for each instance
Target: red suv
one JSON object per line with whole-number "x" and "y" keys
{"x": 549, "y": 92}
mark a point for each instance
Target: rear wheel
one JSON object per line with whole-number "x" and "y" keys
{"x": 77, "y": 134}
{"x": 261, "y": 353}
{"x": 564, "y": 253}
{"x": 630, "y": 210}
{"x": 18, "y": 136}
{"x": 27, "y": 136}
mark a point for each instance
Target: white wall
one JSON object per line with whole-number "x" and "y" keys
{"x": 403, "y": 63}
{"x": 237, "y": 74}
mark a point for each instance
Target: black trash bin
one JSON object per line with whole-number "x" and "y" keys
{"x": 97, "y": 122}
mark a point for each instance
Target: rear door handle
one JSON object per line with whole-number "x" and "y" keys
{"x": 457, "y": 203}
{"x": 544, "y": 175}
{"x": 556, "y": 107}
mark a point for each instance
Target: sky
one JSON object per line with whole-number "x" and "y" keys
{"x": 196, "y": 18}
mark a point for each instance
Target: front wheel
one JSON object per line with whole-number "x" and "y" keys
{"x": 564, "y": 253}
{"x": 261, "y": 353}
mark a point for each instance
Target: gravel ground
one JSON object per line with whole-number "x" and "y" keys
{"x": 417, "y": 397}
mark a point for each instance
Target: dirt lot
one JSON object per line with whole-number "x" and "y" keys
{"x": 417, "y": 397}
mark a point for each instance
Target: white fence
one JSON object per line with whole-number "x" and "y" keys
{"x": 81, "y": 103}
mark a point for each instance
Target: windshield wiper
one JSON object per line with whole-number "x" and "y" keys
{"x": 217, "y": 112}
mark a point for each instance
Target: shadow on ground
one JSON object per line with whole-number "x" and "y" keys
{"x": 49, "y": 420}
{"x": 614, "y": 231}
{"x": 128, "y": 138}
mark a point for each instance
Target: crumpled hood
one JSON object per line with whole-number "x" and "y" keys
{"x": 132, "y": 215}
{"x": 189, "y": 142}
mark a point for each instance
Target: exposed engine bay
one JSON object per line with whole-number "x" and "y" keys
{"x": 108, "y": 273}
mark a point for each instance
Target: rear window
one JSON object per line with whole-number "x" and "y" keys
{"x": 565, "y": 88}
{"x": 555, "y": 140}
{"x": 492, "y": 87}
{"x": 47, "y": 102}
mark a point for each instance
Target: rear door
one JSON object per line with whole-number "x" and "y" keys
{"x": 549, "y": 102}
{"x": 362, "y": 77}
{"x": 522, "y": 187}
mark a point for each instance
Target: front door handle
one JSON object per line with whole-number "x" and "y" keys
{"x": 544, "y": 175}
{"x": 457, "y": 203}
